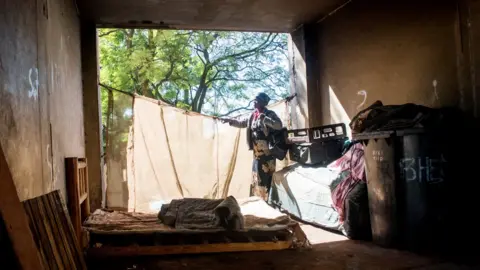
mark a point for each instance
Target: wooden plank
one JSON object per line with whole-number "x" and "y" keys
{"x": 54, "y": 232}
{"x": 68, "y": 228}
{"x": 67, "y": 233}
{"x": 83, "y": 198}
{"x": 38, "y": 230}
{"x": 71, "y": 171}
{"x": 59, "y": 237}
{"x": 186, "y": 249}
{"x": 34, "y": 227}
{"x": 48, "y": 231}
{"x": 16, "y": 220}
{"x": 79, "y": 183}
{"x": 78, "y": 193}
{"x": 86, "y": 205}
{"x": 7, "y": 255}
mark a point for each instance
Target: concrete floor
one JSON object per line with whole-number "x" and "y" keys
{"x": 329, "y": 251}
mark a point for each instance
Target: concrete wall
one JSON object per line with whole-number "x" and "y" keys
{"x": 393, "y": 51}
{"x": 298, "y": 79}
{"x": 66, "y": 104}
{"x": 472, "y": 23}
{"x": 40, "y": 92}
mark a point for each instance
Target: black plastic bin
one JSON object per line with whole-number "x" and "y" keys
{"x": 407, "y": 186}
{"x": 317, "y": 153}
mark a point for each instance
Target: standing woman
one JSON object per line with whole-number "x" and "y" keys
{"x": 261, "y": 123}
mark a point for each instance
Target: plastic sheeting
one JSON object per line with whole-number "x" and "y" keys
{"x": 305, "y": 192}
{"x": 118, "y": 120}
{"x": 333, "y": 197}
{"x": 174, "y": 154}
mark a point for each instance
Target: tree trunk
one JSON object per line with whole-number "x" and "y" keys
{"x": 108, "y": 141}
{"x": 146, "y": 89}
{"x": 199, "y": 99}
{"x": 203, "y": 89}
{"x": 109, "y": 121}
{"x": 129, "y": 38}
{"x": 186, "y": 96}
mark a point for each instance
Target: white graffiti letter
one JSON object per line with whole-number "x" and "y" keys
{"x": 364, "y": 94}
{"x": 33, "y": 92}
{"x": 408, "y": 169}
{"x": 435, "y": 93}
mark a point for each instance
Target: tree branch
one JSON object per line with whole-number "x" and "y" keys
{"x": 160, "y": 97}
{"x": 234, "y": 56}
{"x": 166, "y": 78}
{"x": 238, "y": 109}
{"x": 115, "y": 89}
{"x": 197, "y": 51}
{"x": 108, "y": 33}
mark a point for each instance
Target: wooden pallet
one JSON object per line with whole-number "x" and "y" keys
{"x": 133, "y": 251}
{"x": 54, "y": 233}
{"x": 147, "y": 243}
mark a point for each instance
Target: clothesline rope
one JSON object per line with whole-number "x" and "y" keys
{"x": 159, "y": 102}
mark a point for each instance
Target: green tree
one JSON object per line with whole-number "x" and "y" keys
{"x": 202, "y": 71}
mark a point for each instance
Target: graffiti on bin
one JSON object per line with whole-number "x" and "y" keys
{"x": 383, "y": 164}
{"x": 377, "y": 155}
{"x": 423, "y": 169}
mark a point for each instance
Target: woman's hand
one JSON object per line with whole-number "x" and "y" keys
{"x": 224, "y": 120}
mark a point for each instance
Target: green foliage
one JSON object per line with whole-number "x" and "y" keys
{"x": 203, "y": 71}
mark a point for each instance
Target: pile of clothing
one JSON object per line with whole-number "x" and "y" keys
{"x": 202, "y": 214}
{"x": 349, "y": 192}
{"x": 379, "y": 117}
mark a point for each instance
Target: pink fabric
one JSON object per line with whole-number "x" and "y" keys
{"x": 256, "y": 114}
{"x": 354, "y": 162}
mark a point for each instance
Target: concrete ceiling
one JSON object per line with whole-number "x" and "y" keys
{"x": 242, "y": 15}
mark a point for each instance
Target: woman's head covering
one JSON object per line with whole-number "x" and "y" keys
{"x": 262, "y": 97}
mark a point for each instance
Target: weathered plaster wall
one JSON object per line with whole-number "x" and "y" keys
{"x": 19, "y": 99}
{"x": 65, "y": 87}
{"x": 298, "y": 79}
{"x": 393, "y": 51}
{"x": 40, "y": 92}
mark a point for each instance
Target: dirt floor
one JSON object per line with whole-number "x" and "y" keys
{"x": 329, "y": 251}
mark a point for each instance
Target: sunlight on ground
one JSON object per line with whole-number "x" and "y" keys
{"x": 337, "y": 111}
{"x": 318, "y": 236}
{"x": 155, "y": 206}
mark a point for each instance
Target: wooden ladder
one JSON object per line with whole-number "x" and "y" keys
{"x": 77, "y": 190}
